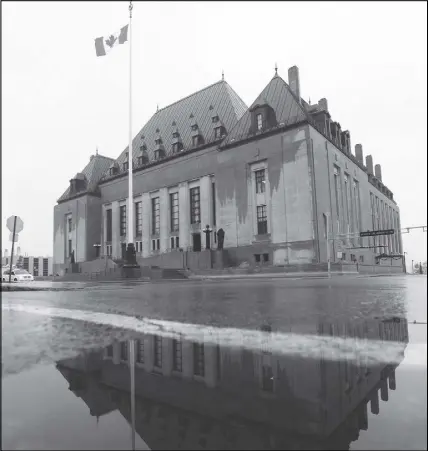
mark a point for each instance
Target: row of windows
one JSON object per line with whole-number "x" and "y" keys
{"x": 177, "y": 354}
{"x": 384, "y": 217}
{"x": 195, "y": 214}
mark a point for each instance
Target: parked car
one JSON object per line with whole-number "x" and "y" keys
{"x": 17, "y": 275}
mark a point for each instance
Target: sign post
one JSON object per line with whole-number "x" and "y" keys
{"x": 15, "y": 225}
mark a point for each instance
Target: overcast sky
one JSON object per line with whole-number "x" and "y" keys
{"x": 59, "y": 101}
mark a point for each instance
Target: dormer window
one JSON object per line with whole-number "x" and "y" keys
{"x": 114, "y": 169}
{"x": 176, "y": 135}
{"x": 215, "y": 119}
{"x": 158, "y": 141}
{"x": 194, "y": 127}
{"x": 259, "y": 119}
{"x": 125, "y": 165}
{"x": 195, "y": 140}
{"x": 143, "y": 148}
{"x": 219, "y": 132}
{"x": 177, "y": 147}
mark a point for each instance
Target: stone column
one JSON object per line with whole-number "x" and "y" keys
{"x": 115, "y": 238}
{"x": 184, "y": 215}
{"x": 164, "y": 217}
{"x": 384, "y": 390}
{"x": 147, "y": 214}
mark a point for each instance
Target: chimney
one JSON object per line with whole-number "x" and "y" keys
{"x": 369, "y": 164}
{"x": 323, "y": 105}
{"x": 294, "y": 81}
{"x": 6, "y": 252}
{"x": 378, "y": 172}
{"x": 359, "y": 153}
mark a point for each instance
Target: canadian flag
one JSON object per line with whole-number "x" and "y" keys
{"x": 103, "y": 45}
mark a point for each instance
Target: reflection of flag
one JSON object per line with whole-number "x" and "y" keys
{"x": 103, "y": 45}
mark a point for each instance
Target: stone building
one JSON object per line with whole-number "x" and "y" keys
{"x": 273, "y": 176}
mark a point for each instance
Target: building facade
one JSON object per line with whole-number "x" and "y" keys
{"x": 279, "y": 178}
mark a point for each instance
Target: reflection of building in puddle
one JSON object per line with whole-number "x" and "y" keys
{"x": 199, "y": 395}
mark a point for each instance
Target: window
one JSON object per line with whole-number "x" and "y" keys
{"x": 195, "y": 140}
{"x": 153, "y": 245}
{"x": 257, "y": 258}
{"x": 174, "y": 208}
{"x": 36, "y": 266}
{"x": 361, "y": 259}
{"x": 353, "y": 258}
{"x": 176, "y": 147}
{"x": 140, "y": 160}
{"x": 26, "y": 263}
{"x": 267, "y": 378}
{"x": 45, "y": 267}
{"x": 195, "y": 206}
{"x": 69, "y": 224}
{"x": 109, "y": 250}
{"x": 125, "y": 165}
{"x": 155, "y": 216}
{"x": 124, "y": 351}
{"x": 337, "y": 190}
{"x": 109, "y": 351}
{"x": 177, "y": 355}
{"x": 343, "y": 256}
{"x": 70, "y": 248}
{"x": 265, "y": 257}
{"x": 140, "y": 351}
{"x": 158, "y": 244}
{"x": 157, "y": 351}
{"x": 259, "y": 119}
{"x": 138, "y": 246}
{"x": 347, "y": 203}
{"x": 138, "y": 218}
{"x": 215, "y": 119}
{"x": 218, "y": 132}
{"x": 213, "y": 203}
{"x": 198, "y": 359}
{"x": 261, "y": 220}
{"x": 260, "y": 181}
{"x": 177, "y": 242}
{"x": 109, "y": 225}
{"x": 122, "y": 213}
{"x": 357, "y": 208}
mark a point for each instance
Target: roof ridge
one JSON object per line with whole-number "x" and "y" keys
{"x": 190, "y": 95}
{"x": 103, "y": 156}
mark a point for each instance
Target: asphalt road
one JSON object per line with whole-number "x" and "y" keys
{"x": 39, "y": 329}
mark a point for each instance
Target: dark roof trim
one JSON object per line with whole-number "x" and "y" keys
{"x": 260, "y": 135}
{"x": 77, "y": 195}
{"x": 162, "y": 160}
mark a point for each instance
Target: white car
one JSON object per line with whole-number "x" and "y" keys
{"x": 18, "y": 275}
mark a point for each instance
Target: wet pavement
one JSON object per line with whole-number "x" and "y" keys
{"x": 265, "y": 364}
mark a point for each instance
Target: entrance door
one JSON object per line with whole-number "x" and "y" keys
{"x": 196, "y": 242}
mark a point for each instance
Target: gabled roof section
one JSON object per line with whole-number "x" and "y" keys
{"x": 278, "y": 95}
{"x": 93, "y": 172}
{"x": 197, "y": 108}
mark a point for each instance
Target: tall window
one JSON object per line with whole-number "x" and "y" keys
{"x": 124, "y": 350}
{"x": 45, "y": 267}
{"x": 347, "y": 206}
{"x": 213, "y": 202}
{"x": 195, "y": 205}
{"x": 140, "y": 351}
{"x": 337, "y": 189}
{"x": 198, "y": 359}
{"x": 177, "y": 355}
{"x": 109, "y": 220}
{"x": 69, "y": 224}
{"x": 259, "y": 118}
{"x": 138, "y": 218}
{"x": 262, "y": 220}
{"x": 122, "y": 212}
{"x": 36, "y": 266}
{"x": 70, "y": 248}
{"x": 260, "y": 181}
{"x": 155, "y": 216}
{"x": 157, "y": 351}
{"x": 173, "y": 205}
{"x": 357, "y": 204}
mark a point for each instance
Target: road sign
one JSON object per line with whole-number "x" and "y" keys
{"x": 18, "y": 226}
{"x": 11, "y": 237}
{"x": 377, "y": 232}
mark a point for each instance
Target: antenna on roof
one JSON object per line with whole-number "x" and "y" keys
{"x": 96, "y": 152}
{"x": 222, "y": 75}
{"x": 276, "y": 70}
{"x": 157, "y": 107}
{"x": 309, "y": 101}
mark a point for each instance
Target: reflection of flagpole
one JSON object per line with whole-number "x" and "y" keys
{"x": 131, "y": 198}
{"x": 132, "y": 370}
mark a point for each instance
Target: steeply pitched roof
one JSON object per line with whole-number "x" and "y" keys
{"x": 218, "y": 99}
{"x": 278, "y": 95}
{"x": 93, "y": 172}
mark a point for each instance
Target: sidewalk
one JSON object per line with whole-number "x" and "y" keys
{"x": 273, "y": 275}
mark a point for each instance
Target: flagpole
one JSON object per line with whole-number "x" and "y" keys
{"x": 130, "y": 165}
